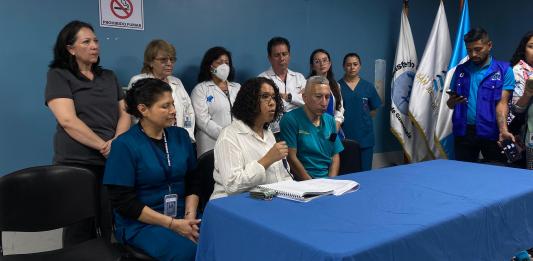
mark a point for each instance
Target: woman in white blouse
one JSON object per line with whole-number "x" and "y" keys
{"x": 246, "y": 152}
{"x": 213, "y": 96}
{"x": 159, "y": 61}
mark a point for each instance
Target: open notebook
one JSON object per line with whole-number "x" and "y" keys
{"x": 307, "y": 190}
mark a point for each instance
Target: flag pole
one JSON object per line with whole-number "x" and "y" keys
{"x": 406, "y": 159}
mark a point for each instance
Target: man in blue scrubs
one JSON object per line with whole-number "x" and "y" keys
{"x": 481, "y": 88}
{"x": 311, "y": 134}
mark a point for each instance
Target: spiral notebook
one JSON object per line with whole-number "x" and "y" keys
{"x": 307, "y": 190}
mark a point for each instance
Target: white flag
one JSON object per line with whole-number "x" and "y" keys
{"x": 429, "y": 81}
{"x": 402, "y": 81}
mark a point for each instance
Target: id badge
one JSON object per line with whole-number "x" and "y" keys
{"x": 274, "y": 127}
{"x": 187, "y": 122}
{"x": 171, "y": 205}
{"x": 365, "y": 104}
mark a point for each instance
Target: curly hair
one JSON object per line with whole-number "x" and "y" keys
{"x": 247, "y": 103}
{"x": 209, "y": 57}
{"x": 333, "y": 85}
{"x": 145, "y": 91}
{"x": 520, "y": 52}
{"x": 62, "y": 58}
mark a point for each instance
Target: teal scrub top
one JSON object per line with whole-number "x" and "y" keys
{"x": 133, "y": 162}
{"x": 358, "y": 124}
{"x": 313, "y": 144}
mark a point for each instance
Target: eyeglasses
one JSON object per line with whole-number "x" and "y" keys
{"x": 323, "y": 61}
{"x": 165, "y": 59}
{"x": 265, "y": 97}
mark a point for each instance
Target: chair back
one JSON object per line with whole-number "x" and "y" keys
{"x": 46, "y": 197}
{"x": 350, "y": 157}
{"x": 206, "y": 165}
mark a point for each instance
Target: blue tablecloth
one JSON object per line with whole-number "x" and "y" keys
{"x": 437, "y": 210}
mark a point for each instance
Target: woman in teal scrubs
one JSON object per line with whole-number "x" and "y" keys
{"x": 150, "y": 177}
{"x": 360, "y": 101}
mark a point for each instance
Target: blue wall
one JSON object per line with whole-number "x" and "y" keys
{"x": 29, "y": 29}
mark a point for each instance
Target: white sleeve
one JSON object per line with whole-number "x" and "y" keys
{"x": 134, "y": 79}
{"x": 187, "y": 107}
{"x": 235, "y": 176}
{"x": 339, "y": 114}
{"x": 297, "y": 98}
{"x": 201, "y": 111}
{"x": 519, "y": 83}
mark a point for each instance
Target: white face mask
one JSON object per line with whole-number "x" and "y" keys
{"x": 222, "y": 71}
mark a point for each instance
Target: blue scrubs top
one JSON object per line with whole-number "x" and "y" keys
{"x": 136, "y": 162}
{"x": 358, "y": 124}
{"x": 313, "y": 144}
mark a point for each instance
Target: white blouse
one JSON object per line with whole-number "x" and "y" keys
{"x": 237, "y": 152}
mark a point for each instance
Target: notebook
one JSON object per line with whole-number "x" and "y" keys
{"x": 307, "y": 190}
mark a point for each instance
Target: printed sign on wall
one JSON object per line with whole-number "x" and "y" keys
{"x": 124, "y": 14}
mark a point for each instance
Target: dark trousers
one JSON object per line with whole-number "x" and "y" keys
{"x": 467, "y": 148}
{"x": 85, "y": 230}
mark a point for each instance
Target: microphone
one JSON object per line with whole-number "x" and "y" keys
{"x": 287, "y": 167}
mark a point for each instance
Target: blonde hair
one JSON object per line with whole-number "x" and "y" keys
{"x": 151, "y": 51}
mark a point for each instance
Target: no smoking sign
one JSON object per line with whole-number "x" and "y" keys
{"x": 121, "y": 8}
{"x": 124, "y": 14}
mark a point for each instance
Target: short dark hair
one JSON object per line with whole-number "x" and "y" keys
{"x": 476, "y": 34}
{"x": 247, "y": 103}
{"x": 209, "y": 57}
{"x": 520, "y": 52}
{"x": 62, "y": 58}
{"x": 145, "y": 91}
{"x": 348, "y": 55}
{"x": 277, "y": 41}
{"x": 331, "y": 78}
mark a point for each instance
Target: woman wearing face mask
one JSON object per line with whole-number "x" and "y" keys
{"x": 320, "y": 63}
{"x": 360, "y": 103}
{"x": 213, "y": 97}
{"x": 159, "y": 61}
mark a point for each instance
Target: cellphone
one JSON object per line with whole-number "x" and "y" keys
{"x": 451, "y": 93}
{"x": 511, "y": 151}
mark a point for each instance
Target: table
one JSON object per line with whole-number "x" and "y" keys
{"x": 436, "y": 210}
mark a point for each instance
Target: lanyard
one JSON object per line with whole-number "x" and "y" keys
{"x": 168, "y": 168}
{"x": 229, "y": 100}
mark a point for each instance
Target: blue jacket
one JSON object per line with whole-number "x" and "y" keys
{"x": 488, "y": 94}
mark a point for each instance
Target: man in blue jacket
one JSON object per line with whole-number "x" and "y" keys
{"x": 481, "y": 89}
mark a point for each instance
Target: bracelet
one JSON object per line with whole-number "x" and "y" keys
{"x": 170, "y": 224}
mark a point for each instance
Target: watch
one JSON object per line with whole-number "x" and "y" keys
{"x": 289, "y": 97}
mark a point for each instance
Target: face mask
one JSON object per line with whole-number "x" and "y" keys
{"x": 222, "y": 71}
